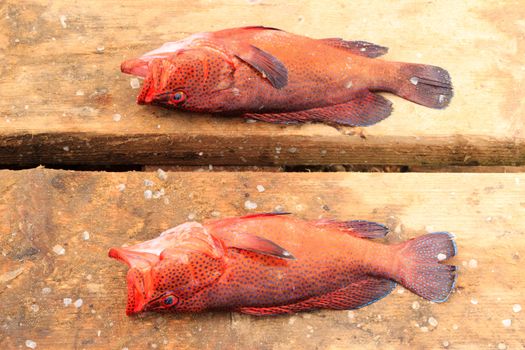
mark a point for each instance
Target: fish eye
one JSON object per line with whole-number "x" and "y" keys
{"x": 169, "y": 300}
{"x": 178, "y": 97}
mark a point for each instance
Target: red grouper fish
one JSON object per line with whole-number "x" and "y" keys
{"x": 271, "y": 75}
{"x": 267, "y": 264}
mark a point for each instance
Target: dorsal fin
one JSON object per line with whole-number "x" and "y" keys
{"x": 357, "y": 228}
{"x": 362, "y": 48}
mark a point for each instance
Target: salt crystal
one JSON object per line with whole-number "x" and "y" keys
{"x": 351, "y": 314}
{"x": 78, "y": 303}
{"x": 414, "y": 80}
{"x": 424, "y": 329}
{"x": 161, "y": 174}
{"x": 474, "y": 301}
{"x": 441, "y": 99}
{"x": 260, "y": 188}
{"x": 250, "y": 121}
{"x": 455, "y": 327}
{"x": 135, "y": 83}
{"x": 279, "y": 208}
{"x": 85, "y": 236}
{"x": 148, "y": 194}
{"x": 158, "y": 194}
{"x": 415, "y": 305}
{"x": 432, "y": 321}
{"x": 46, "y": 290}
{"x": 507, "y": 322}
{"x": 401, "y": 290}
{"x": 502, "y": 346}
{"x": 148, "y": 182}
{"x": 30, "y": 344}
{"x": 66, "y": 148}
{"x": 35, "y": 307}
{"x": 473, "y": 263}
{"x": 445, "y": 343}
{"x": 201, "y": 154}
{"x": 516, "y": 307}
{"x": 215, "y": 213}
{"x": 100, "y": 49}
{"x": 250, "y": 205}
{"x": 59, "y": 250}
{"x": 99, "y": 332}
{"x": 79, "y": 93}
{"x": 292, "y": 320}
{"x": 117, "y": 117}
{"x": 191, "y": 216}
{"x": 63, "y": 19}
{"x": 121, "y": 187}
{"x": 67, "y": 301}
{"x": 441, "y": 256}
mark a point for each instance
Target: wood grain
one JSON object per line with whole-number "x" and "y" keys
{"x": 40, "y": 209}
{"x": 61, "y": 84}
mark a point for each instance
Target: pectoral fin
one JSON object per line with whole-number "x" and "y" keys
{"x": 268, "y": 65}
{"x": 255, "y": 244}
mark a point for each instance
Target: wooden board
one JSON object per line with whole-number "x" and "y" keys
{"x": 42, "y": 211}
{"x": 61, "y": 84}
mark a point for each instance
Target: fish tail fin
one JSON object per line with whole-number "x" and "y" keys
{"x": 426, "y": 85}
{"x": 420, "y": 269}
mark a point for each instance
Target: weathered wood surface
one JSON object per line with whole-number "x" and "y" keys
{"x": 45, "y": 209}
{"x": 59, "y": 95}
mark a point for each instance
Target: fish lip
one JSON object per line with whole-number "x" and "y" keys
{"x": 135, "y": 66}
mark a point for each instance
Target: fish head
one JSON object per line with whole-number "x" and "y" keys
{"x": 167, "y": 272}
{"x": 189, "y": 80}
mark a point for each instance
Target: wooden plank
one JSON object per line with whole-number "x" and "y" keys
{"x": 469, "y": 169}
{"x": 43, "y": 210}
{"x": 59, "y": 93}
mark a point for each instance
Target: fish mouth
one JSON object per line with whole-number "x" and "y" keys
{"x": 135, "y": 66}
{"x": 138, "y": 277}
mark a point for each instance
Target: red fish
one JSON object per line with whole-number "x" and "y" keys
{"x": 267, "y": 264}
{"x": 275, "y": 76}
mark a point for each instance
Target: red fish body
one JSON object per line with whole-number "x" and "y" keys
{"x": 271, "y": 264}
{"x": 275, "y": 76}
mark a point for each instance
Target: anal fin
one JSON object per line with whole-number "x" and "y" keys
{"x": 353, "y": 296}
{"x": 366, "y": 109}
{"x": 362, "y": 48}
{"x": 357, "y": 228}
